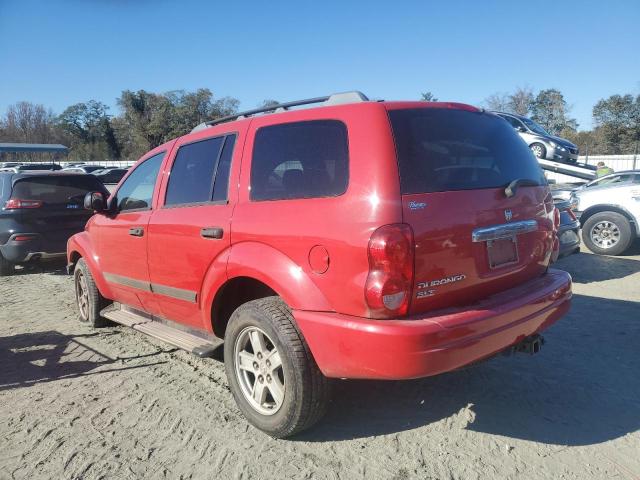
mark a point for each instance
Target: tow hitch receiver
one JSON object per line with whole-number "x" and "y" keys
{"x": 530, "y": 345}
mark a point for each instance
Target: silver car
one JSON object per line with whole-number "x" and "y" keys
{"x": 609, "y": 212}
{"x": 543, "y": 145}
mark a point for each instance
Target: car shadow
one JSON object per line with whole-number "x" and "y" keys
{"x": 32, "y": 358}
{"x": 57, "y": 266}
{"x": 581, "y": 389}
{"x": 587, "y": 268}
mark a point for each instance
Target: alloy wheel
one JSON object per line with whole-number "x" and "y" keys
{"x": 259, "y": 371}
{"x": 605, "y": 234}
{"x": 82, "y": 295}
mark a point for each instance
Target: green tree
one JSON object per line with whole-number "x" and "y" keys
{"x": 89, "y": 130}
{"x": 549, "y": 109}
{"x": 428, "y": 97}
{"x": 618, "y": 118}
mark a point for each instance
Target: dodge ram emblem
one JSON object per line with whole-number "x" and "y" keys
{"x": 508, "y": 215}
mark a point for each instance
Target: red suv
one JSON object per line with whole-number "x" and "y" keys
{"x": 355, "y": 239}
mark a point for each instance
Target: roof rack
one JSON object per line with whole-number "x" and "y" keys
{"x": 335, "y": 99}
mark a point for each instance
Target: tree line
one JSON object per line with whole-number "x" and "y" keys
{"x": 146, "y": 120}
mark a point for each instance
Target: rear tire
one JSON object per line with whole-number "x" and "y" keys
{"x": 538, "y": 150}
{"x": 6, "y": 267}
{"x": 301, "y": 395}
{"x": 88, "y": 298}
{"x": 607, "y": 233}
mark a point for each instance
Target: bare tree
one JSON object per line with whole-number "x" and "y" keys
{"x": 498, "y": 102}
{"x": 520, "y": 101}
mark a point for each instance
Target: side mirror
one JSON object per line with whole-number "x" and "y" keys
{"x": 94, "y": 201}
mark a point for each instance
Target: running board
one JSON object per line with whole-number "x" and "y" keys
{"x": 199, "y": 346}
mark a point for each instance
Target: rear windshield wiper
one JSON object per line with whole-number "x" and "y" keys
{"x": 510, "y": 190}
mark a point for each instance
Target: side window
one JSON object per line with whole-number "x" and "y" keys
{"x": 300, "y": 160}
{"x": 137, "y": 190}
{"x": 191, "y": 178}
{"x": 221, "y": 185}
{"x": 515, "y": 123}
{"x": 200, "y": 172}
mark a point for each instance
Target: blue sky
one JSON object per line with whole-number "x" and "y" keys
{"x": 60, "y": 52}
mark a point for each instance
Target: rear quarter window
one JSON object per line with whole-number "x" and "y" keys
{"x": 447, "y": 149}
{"x": 300, "y": 160}
{"x": 56, "y": 189}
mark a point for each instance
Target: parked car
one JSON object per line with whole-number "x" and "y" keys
{"x": 84, "y": 169}
{"x": 569, "y": 230}
{"x": 9, "y": 164}
{"x": 357, "y": 239}
{"x": 565, "y": 190}
{"x": 27, "y": 167}
{"x": 38, "y": 214}
{"x": 111, "y": 176}
{"x": 542, "y": 144}
{"x": 609, "y": 212}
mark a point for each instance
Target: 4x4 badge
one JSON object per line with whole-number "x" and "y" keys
{"x": 508, "y": 215}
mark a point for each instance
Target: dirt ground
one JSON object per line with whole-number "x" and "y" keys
{"x": 112, "y": 403}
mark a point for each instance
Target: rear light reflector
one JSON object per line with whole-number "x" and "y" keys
{"x": 389, "y": 283}
{"x": 556, "y": 219}
{"x": 14, "y": 203}
{"x": 22, "y": 238}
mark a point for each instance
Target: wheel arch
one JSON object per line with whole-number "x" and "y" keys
{"x": 591, "y": 211}
{"x": 79, "y": 246}
{"x": 255, "y": 270}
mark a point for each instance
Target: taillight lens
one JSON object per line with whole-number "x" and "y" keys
{"x": 556, "y": 219}
{"x": 14, "y": 203}
{"x": 389, "y": 283}
{"x": 572, "y": 215}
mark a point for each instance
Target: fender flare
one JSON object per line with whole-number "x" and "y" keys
{"x": 80, "y": 243}
{"x": 606, "y": 207}
{"x": 269, "y": 266}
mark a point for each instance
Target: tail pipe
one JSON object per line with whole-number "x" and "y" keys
{"x": 530, "y": 345}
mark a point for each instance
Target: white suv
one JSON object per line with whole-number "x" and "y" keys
{"x": 609, "y": 212}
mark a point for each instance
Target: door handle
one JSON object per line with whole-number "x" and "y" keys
{"x": 212, "y": 232}
{"x": 136, "y": 231}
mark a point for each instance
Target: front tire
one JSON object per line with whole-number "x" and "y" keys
{"x": 88, "y": 298}
{"x": 6, "y": 267}
{"x": 271, "y": 372}
{"x": 539, "y": 150}
{"x": 607, "y": 233}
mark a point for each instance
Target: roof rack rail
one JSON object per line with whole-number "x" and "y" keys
{"x": 334, "y": 99}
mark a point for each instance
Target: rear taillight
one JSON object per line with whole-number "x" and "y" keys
{"x": 572, "y": 215}
{"x": 556, "y": 219}
{"x": 14, "y": 203}
{"x": 389, "y": 283}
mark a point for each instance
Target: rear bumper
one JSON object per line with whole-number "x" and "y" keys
{"x": 569, "y": 238}
{"x": 420, "y": 346}
{"x": 20, "y": 251}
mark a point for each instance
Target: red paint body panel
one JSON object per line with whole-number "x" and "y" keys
{"x": 420, "y": 346}
{"x": 342, "y": 224}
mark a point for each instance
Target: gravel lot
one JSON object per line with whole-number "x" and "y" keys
{"x": 112, "y": 403}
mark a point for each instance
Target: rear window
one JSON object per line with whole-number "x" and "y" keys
{"x": 58, "y": 189}
{"x": 300, "y": 160}
{"x": 445, "y": 149}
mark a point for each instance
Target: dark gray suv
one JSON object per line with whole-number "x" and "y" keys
{"x": 543, "y": 145}
{"x": 39, "y": 212}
